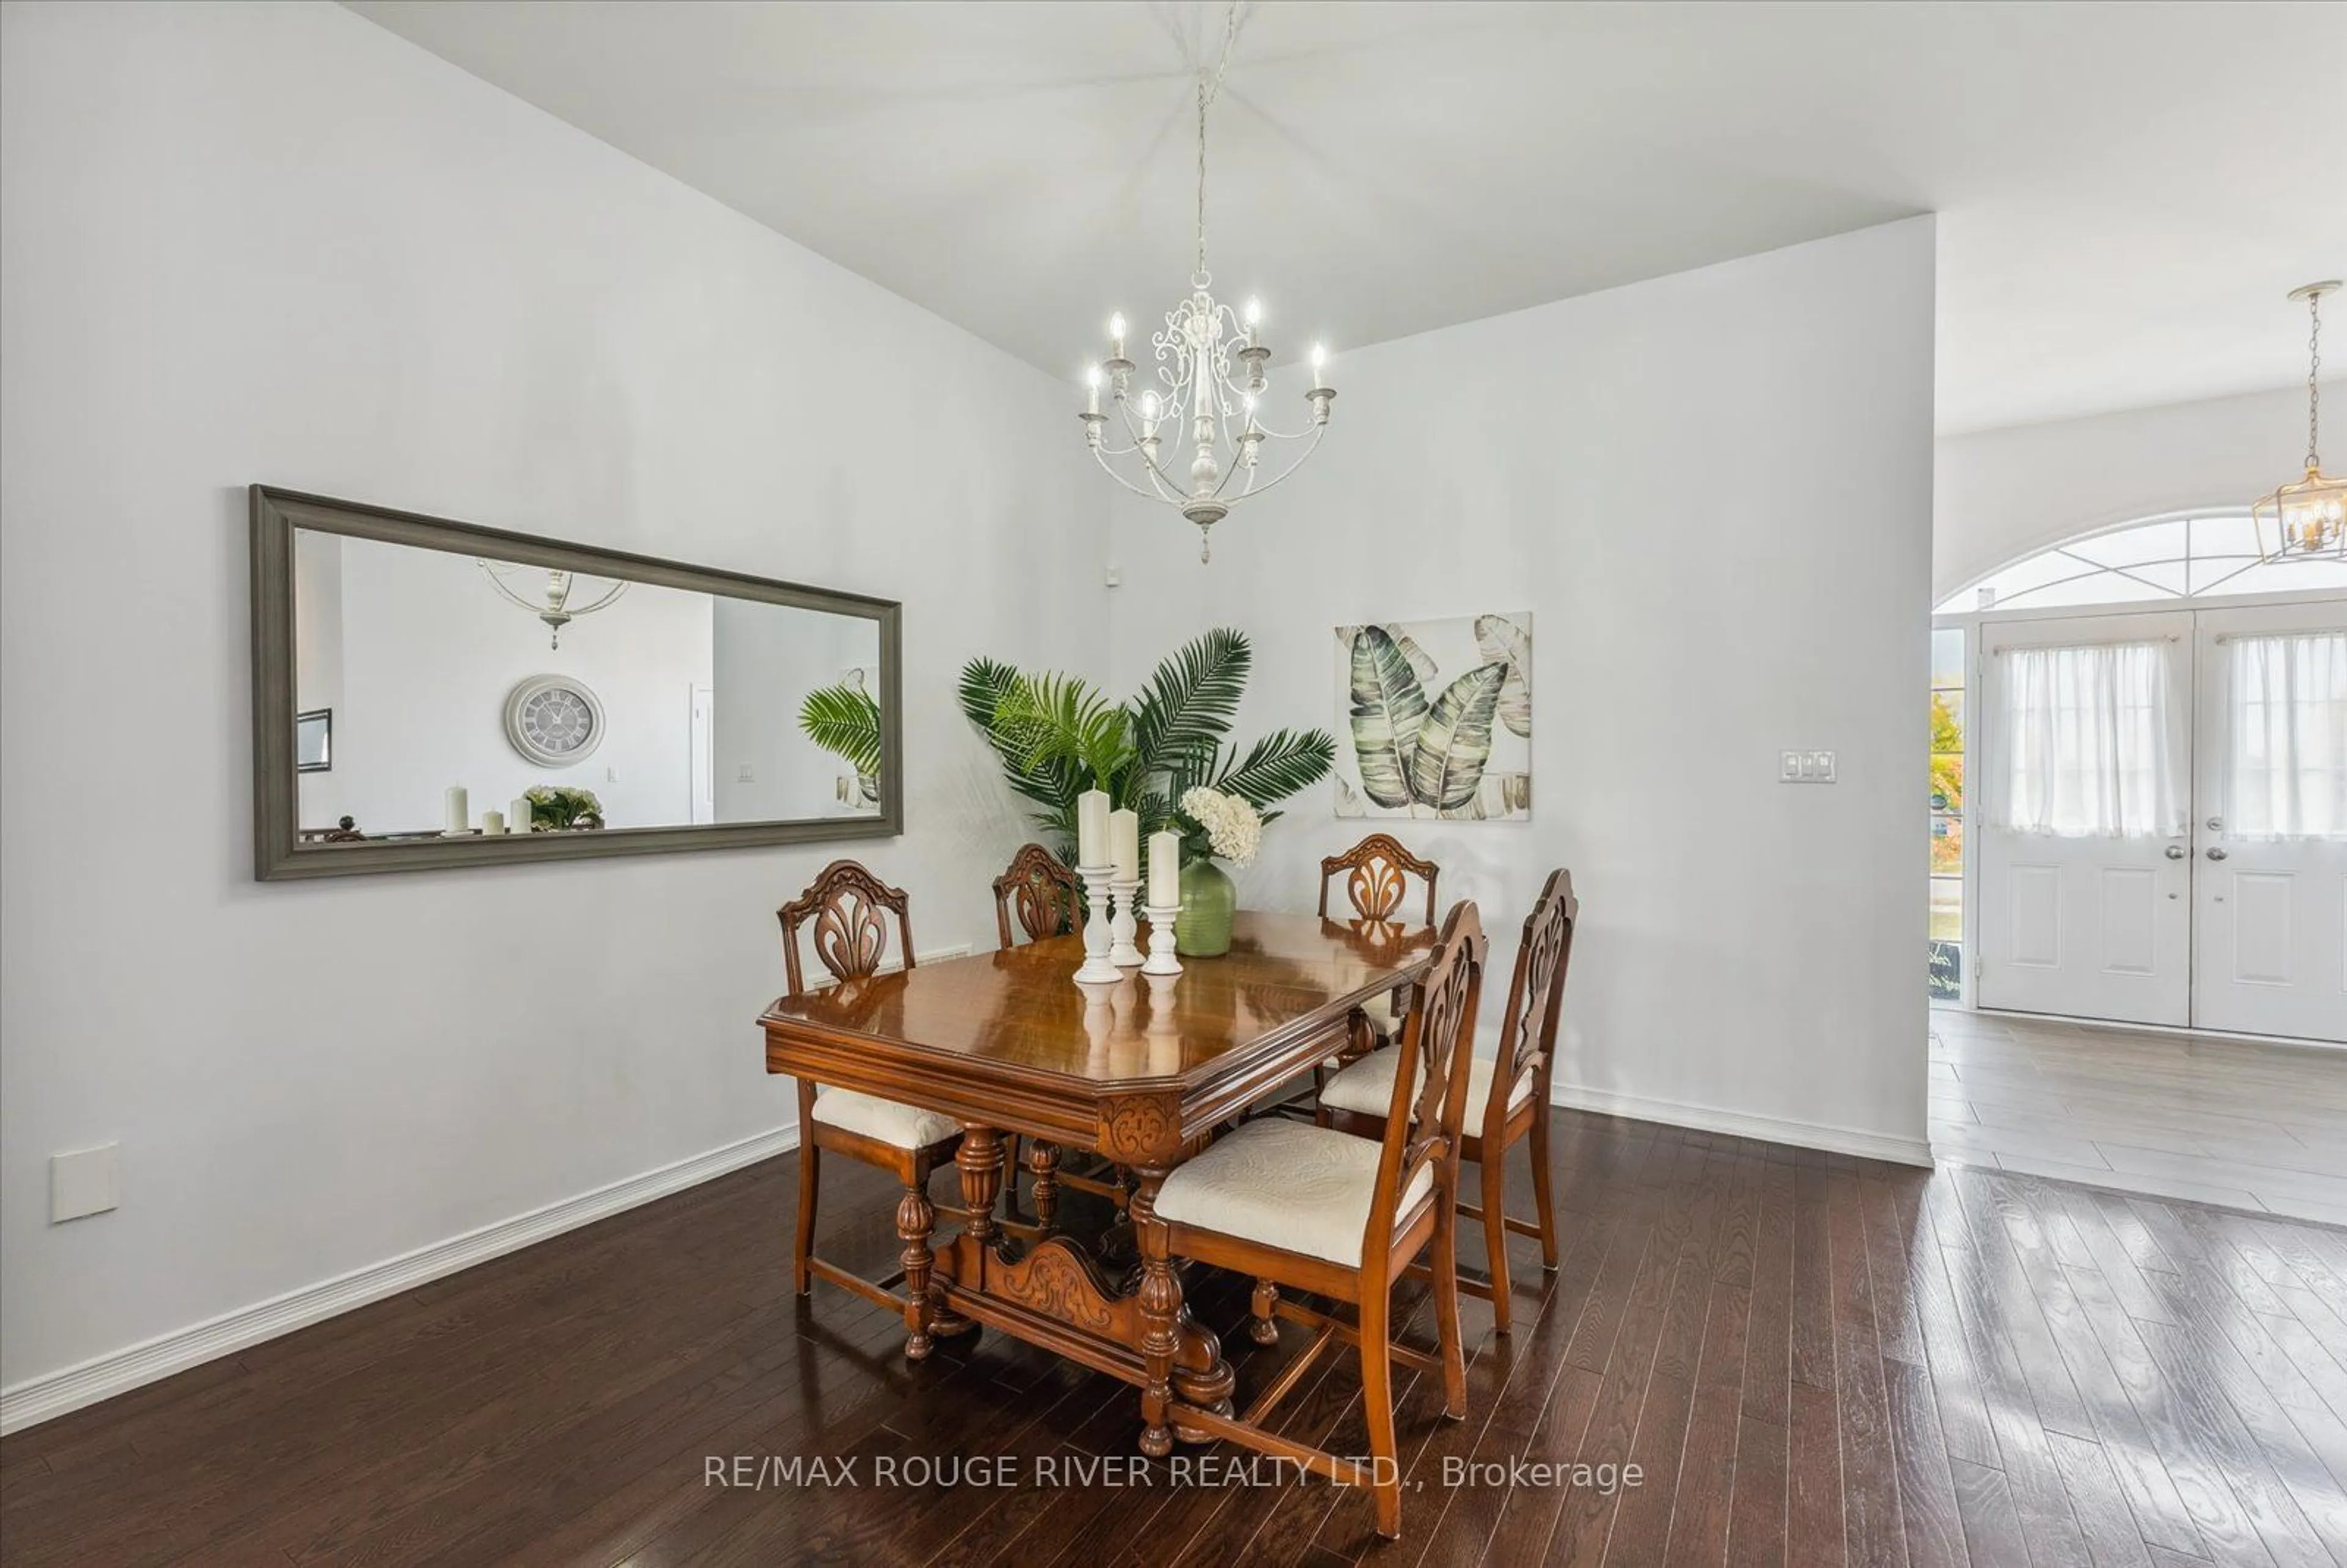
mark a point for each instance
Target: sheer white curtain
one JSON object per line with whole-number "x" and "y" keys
{"x": 2089, "y": 749}
{"x": 2286, "y": 776}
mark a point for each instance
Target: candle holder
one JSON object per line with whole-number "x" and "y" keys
{"x": 1097, "y": 968}
{"x": 1162, "y": 960}
{"x": 1120, "y": 926}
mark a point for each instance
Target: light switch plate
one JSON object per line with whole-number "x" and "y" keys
{"x": 84, "y": 1181}
{"x": 1805, "y": 767}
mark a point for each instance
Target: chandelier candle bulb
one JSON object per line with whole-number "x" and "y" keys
{"x": 457, "y": 819}
{"x": 1091, "y": 388}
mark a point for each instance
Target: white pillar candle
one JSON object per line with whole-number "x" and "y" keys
{"x": 1164, "y": 870}
{"x": 493, "y": 823}
{"x": 517, "y": 816}
{"x": 1125, "y": 844}
{"x": 1091, "y": 827}
{"x": 459, "y": 816}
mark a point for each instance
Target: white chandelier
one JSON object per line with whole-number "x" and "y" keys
{"x": 2307, "y": 518}
{"x": 553, "y": 603}
{"x": 1210, "y": 374}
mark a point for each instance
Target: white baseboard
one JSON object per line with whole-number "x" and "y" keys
{"x": 38, "y": 1399}
{"x": 1744, "y": 1125}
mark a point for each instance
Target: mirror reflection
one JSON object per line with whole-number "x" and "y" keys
{"x": 442, "y": 694}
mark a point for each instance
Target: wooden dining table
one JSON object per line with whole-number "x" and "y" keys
{"x": 1142, "y": 1072}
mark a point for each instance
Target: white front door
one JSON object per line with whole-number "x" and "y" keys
{"x": 2085, "y": 730}
{"x": 2270, "y": 879}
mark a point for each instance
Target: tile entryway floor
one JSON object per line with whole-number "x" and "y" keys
{"x": 2249, "y": 1125}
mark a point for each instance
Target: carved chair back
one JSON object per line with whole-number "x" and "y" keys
{"x": 1378, "y": 871}
{"x": 1040, "y": 889}
{"x": 1528, "y": 1030}
{"x": 1425, "y": 1121}
{"x": 850, "y": 936}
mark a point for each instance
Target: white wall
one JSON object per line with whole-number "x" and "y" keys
{"x": 1713, "y": 491}
{"x": 275, "y": 242}
{"x": 2000, "y": 495}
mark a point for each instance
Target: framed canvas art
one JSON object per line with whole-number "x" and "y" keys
{"x": 1435, "y": 718}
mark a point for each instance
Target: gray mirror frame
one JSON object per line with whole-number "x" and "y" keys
{"x": 276, "y": 853}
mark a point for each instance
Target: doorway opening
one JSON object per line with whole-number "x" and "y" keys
{"x": 2138, "y": 858}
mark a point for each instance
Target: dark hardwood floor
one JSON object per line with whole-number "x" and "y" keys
{"x": 1813, "y": 1359}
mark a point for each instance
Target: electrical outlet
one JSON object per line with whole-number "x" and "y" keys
{"x": 1115, "y": 577}
{"x": 84, "y": 1181}
{"x": 745, "y": 774}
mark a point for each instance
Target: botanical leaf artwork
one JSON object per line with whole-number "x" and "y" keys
{"x": 1439, "y": 713}
{"x": 1455, "y": 740}
{"x": 1502, "y": 641}
{"x": 1389, "y": 707}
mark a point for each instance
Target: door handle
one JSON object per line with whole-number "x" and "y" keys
{"x": 2176, "y": 852}
{"x": 2216, "y": 855}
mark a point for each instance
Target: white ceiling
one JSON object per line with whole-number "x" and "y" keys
{"x": 2126, "y": 191}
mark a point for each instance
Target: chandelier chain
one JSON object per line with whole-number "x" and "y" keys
{"x": 2313, "y": 375}
{"x": 1207, "y": 92}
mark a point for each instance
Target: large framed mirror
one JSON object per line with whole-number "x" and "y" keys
{"x": 428, "y": 695}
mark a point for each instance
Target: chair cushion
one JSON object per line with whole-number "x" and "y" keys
{"x": 1284, "y": 1184}
{"x": 1366, "y": 1088}
{"x": 869, "y": 1116}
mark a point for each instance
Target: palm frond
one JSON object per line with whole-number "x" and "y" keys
{"x": 984, "y": 684}
{"x": 845, "y": 721}
{"x": 1046, "y": 719}
{"x": 1191, "y": 698}
{"x": 1052, "y": 784}
{"x": 1278, "y": 766}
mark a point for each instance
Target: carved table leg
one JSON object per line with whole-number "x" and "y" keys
{"x": 915, "y": 1219}
{"x": 1161, "y": 1308}
{"x": 980, "y": 1161}
{"x": 1043, "y": 1162}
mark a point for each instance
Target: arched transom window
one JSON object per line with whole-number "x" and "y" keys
{"x": 2198, "y": 555}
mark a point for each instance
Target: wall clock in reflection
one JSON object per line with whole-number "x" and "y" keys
{"x": 554, "y": 720}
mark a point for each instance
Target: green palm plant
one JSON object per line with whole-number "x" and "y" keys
{"x": 844, "y": 720}
{"x": 1056, "y": 736}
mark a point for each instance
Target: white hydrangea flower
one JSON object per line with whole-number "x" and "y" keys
{"x": 1231, "y": 826}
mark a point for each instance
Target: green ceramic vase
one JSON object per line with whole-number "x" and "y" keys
{"x": 1209, "y": 899}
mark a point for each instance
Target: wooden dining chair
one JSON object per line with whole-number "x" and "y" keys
{"x": 1506, "y": 1107}
{"x": 1377, "y": 873}
{"x": 1046, "y": 899}
{"x": 1323, "y": 1212}
{"x": 1041, "y": 891}
{"x": 847, "y": 903}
